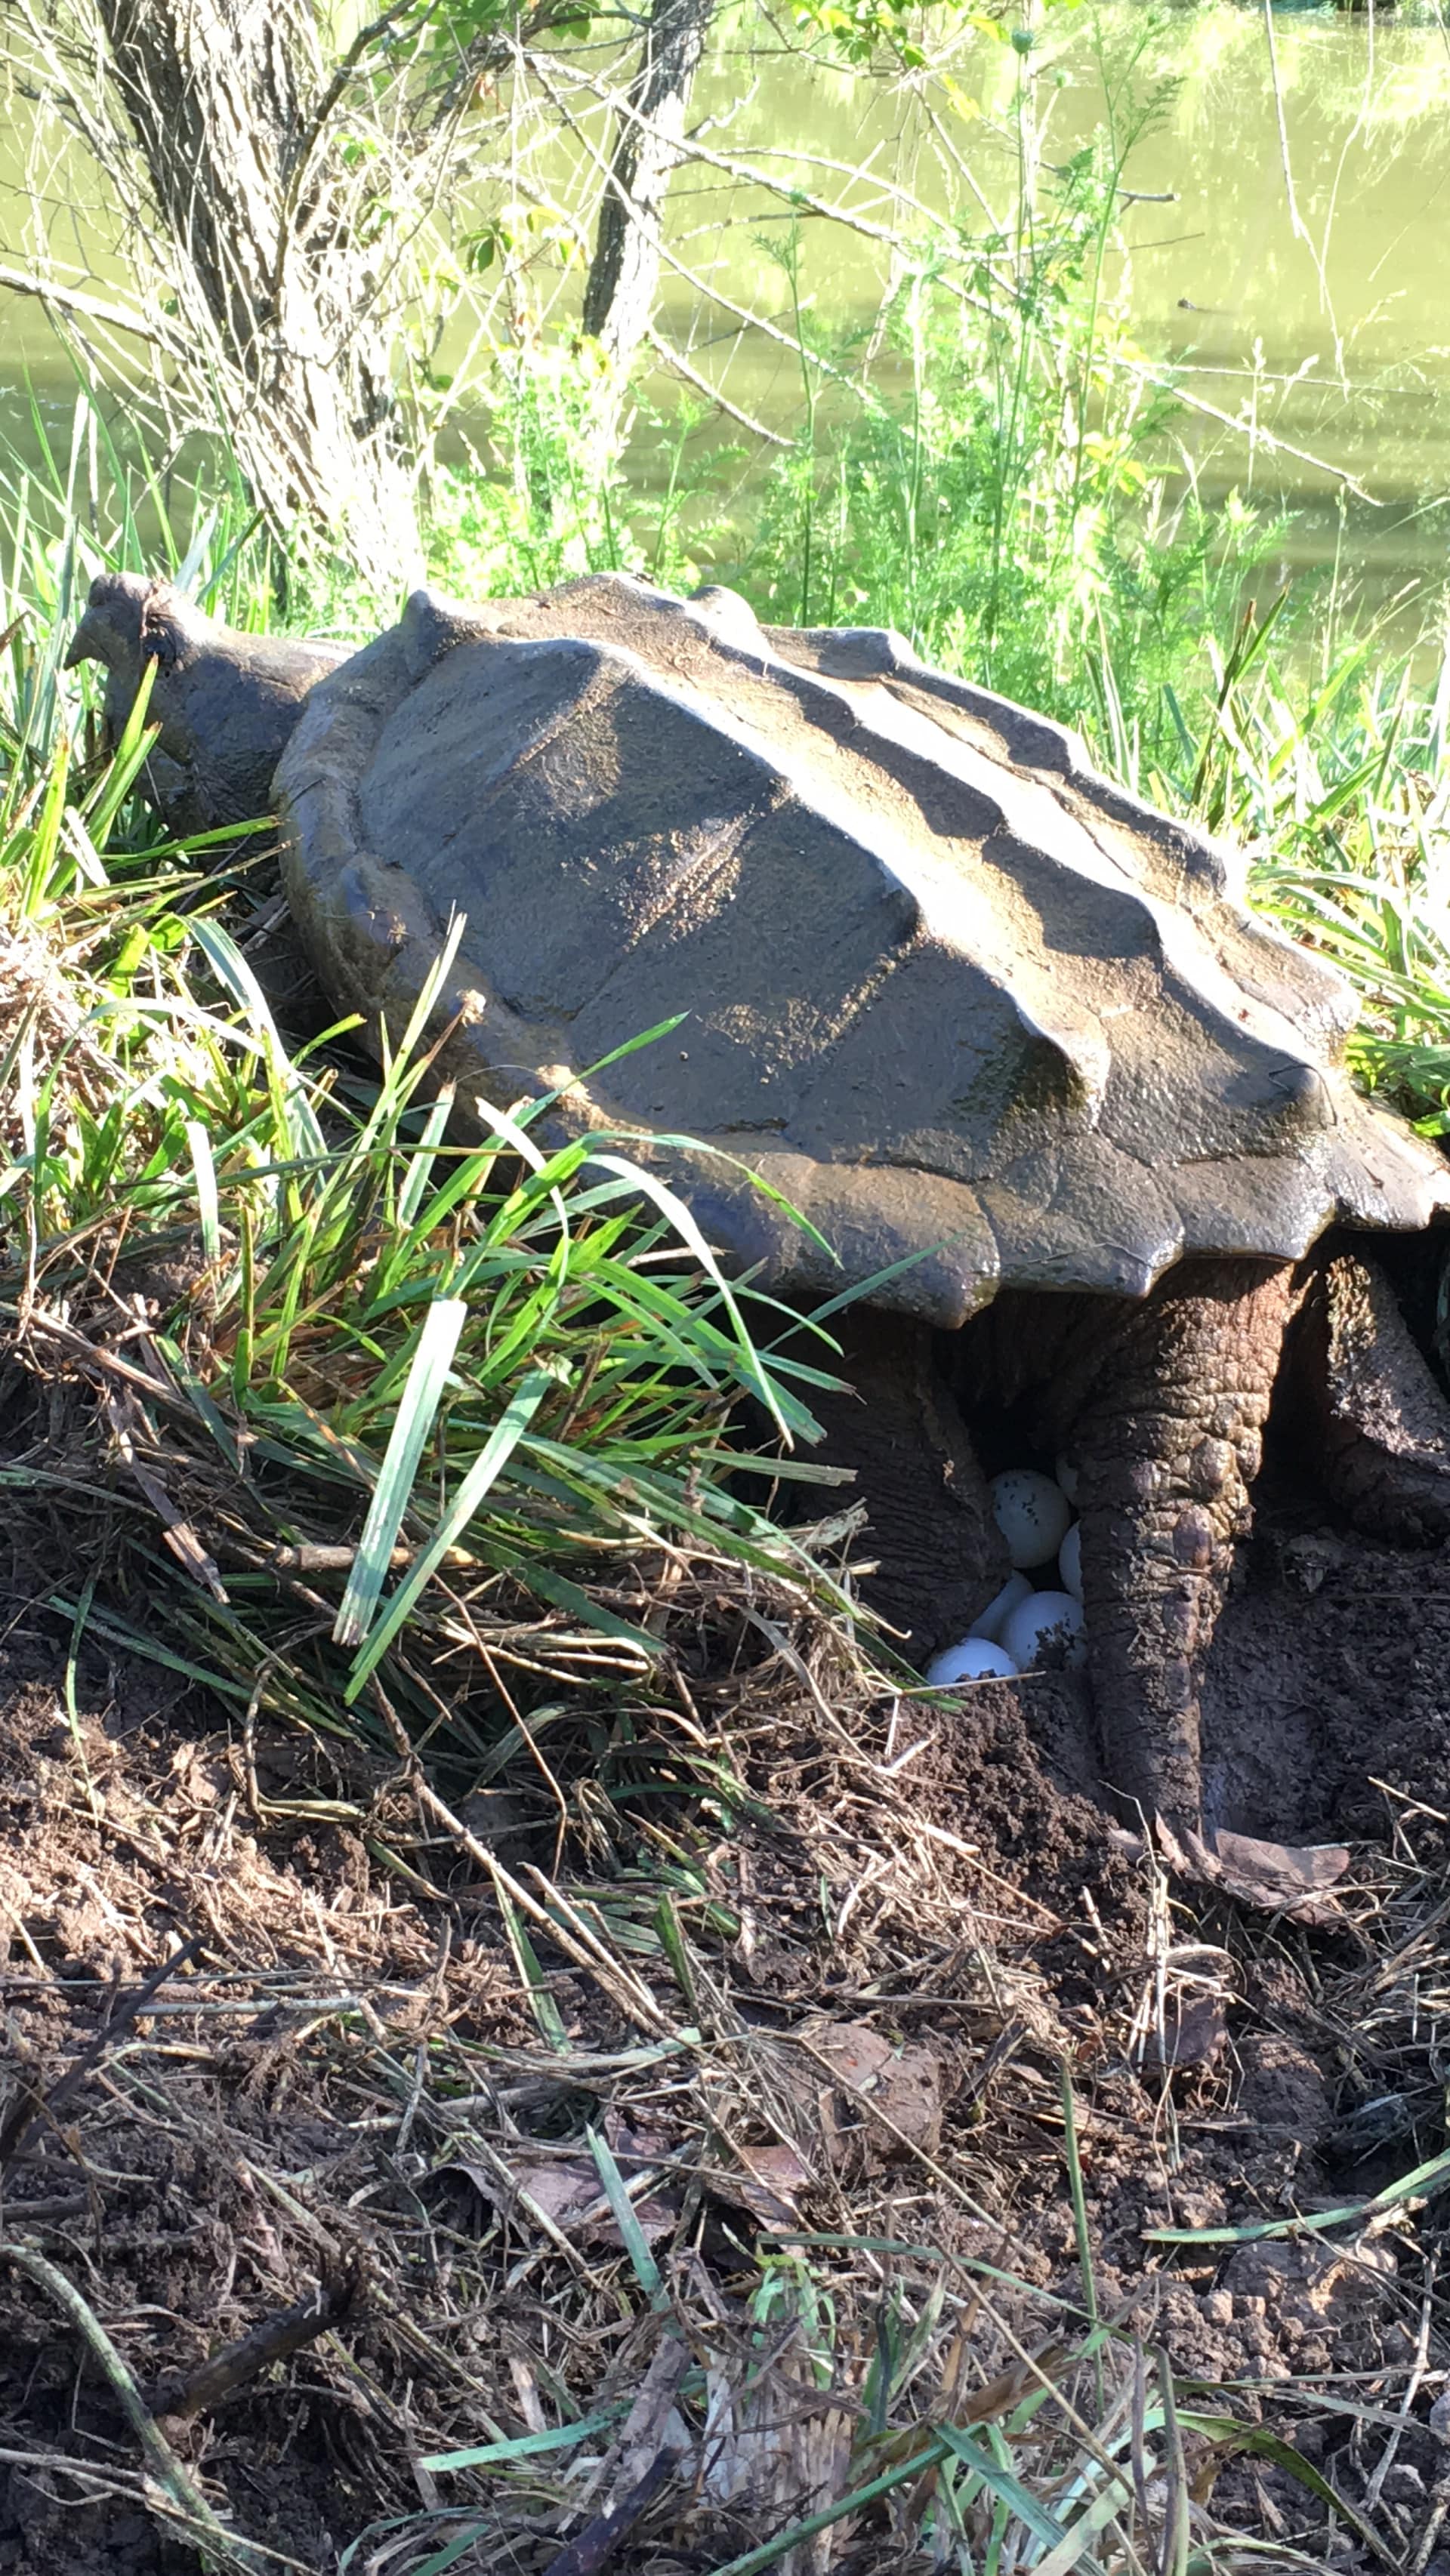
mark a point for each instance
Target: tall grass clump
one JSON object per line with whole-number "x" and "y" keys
{"x": 1332, "y": 776}
{"x": 358, "y": 1410}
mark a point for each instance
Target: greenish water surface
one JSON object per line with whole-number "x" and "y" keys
{"x": 1285, "y": 254}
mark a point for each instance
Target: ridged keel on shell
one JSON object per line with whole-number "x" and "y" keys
{"x": 966, "y": 1005}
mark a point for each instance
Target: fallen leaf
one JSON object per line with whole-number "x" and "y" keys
{"x": 1276, "y": 1878}
{"x": 1193, "y": 2035}
{"x": 630, "y": 2142}
{"x": 567, "y": 2191}
{"x": 903, "y": 2084}
{"x": 771, "y": 2184}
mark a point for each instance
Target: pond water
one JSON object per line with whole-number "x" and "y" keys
{"x": 1284, "y": 253}
{"x": 1287, "y": 258}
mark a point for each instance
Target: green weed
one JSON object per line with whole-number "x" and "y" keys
{"x": 1334, "y": 781}
{"x": 488, "y": 1380}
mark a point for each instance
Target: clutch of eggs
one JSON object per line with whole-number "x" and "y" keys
{"x": 1025, "y": 1626}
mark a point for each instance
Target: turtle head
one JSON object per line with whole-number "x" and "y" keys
{"x": 225, "y": 703}
{"x": 110, "y": 631}
{"x": 131, "y": 620}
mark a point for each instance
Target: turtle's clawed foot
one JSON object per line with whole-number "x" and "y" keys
{"x": 1383, "y": 1422}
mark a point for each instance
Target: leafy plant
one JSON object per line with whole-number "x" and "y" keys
{"x": 993, "y": 477}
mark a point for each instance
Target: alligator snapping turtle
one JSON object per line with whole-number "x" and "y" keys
{"x": 1002, "y": 1032}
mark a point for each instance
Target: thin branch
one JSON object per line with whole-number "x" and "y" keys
{"x": 275, "y": 2339}
{"x": 670, "y": 357}
{"x": 495, "y": 51}
{"x": 312, "y": 131}
{"x": 750, "y": 174}
{"x": 92, "y": 308}
{"x": 1296, "y": 220}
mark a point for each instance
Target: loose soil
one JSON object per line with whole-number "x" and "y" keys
{"x": 363, "y": 2088}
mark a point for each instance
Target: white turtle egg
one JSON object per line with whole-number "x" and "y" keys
{"x": 994, "y": 1618}
{"x": 1032, "y": 1514}
{"x": 976, "y": 1659}
{"x": 1050, "y": 1620}
{"x": 1069, "y": 1561}
{"x": 1065, "y": 1471}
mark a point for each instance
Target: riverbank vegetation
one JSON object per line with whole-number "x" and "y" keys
{"x": 535, "y": 1792}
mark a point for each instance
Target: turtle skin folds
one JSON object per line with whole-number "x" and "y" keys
{"x": 1167, "y": 1434}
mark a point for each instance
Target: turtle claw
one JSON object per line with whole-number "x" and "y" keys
{"x": 1297, "y": 1879}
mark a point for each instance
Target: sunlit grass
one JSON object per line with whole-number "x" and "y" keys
{"x": 1334, "y": 779}
{"x": 487, "y": 1379}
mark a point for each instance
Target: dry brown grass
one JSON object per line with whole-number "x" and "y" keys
{"x": 388, "y": 2105}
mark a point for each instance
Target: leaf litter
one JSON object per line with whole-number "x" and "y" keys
{"x": 429, "y": 2241}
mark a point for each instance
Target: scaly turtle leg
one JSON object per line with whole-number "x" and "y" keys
{"x": 1382, "y": 1421}
{"x": 1163, "y": 1405}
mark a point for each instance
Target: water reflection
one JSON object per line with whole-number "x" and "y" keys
{"x": 1283, "y": 252}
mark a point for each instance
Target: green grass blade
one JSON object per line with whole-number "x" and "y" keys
{"x": 110, "y": 792}
{"x": 420, "y": 1169}
{"x": 552, "y": 1586}
{"x": 232, "y": 972}
{"x": 681, "y": 1218}
{"x": 440, "y": 2560}
{"x": 1426, "y": 2179}
{"x": 120, "y": 1632}
{"x": 1177, "y": 2532}
{"x": 536, "y": 1985}
{"x": 208, "y": 1206}
{"x": 1081, "y": 2229}
{"x": 207, "y": 1412}
{"x": 755, "y": 2561}
{"x": 677, "y": 1949}
{"x": 1109, "y": 2501}
{"x": 626, "y": 2219}
{"x": 417, "y": 1411}
{"x": 478, "y": 1482}
{"x": 1261, "y": 2442}
{"x": 1006, "y": 2486}
{"x": 526, "y": 2446}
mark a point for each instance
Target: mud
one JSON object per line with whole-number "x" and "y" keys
{"x": 1269, "y": 2086}
{"x": 159, "y": 2189}
{"x": 1327, "y": 1697}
